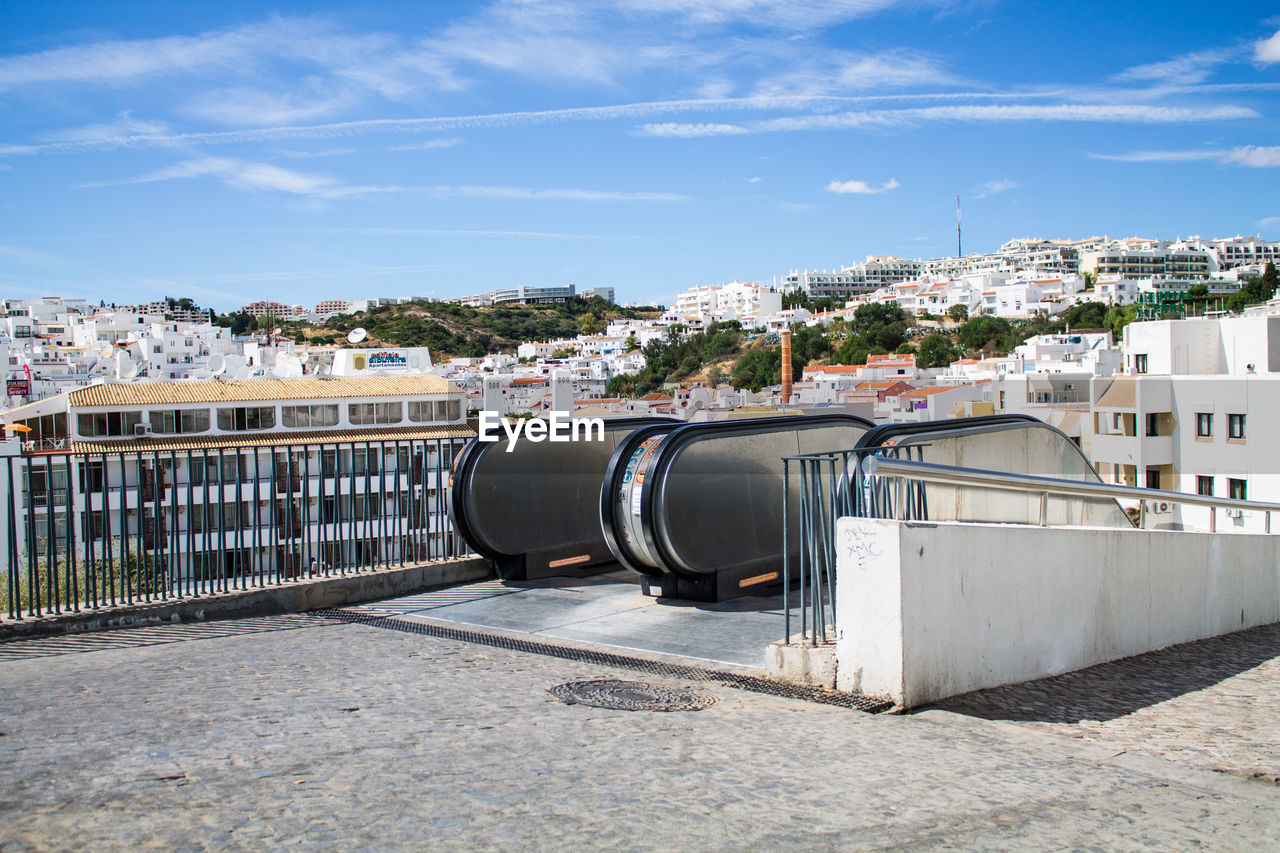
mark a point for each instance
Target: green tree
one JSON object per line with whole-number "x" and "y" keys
{"x": 715, "y": 376}
{"x": 959, "y": 313}
{"x": 936, "y": 351}
{"x": 1087, "y": 315}
{"x": 907, "y": 349}
{"x": 979, "y": 332}
{"x": 588, "y": 324}
{"x": 632, "y": 343}
{"x": 758, "y": 369}
{"x": 621, "y": 385}
{"x": 1118, "y": 317}
{"x": 881, "y": 324}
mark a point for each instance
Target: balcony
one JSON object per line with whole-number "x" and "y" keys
{"x": 1126, "y": 449}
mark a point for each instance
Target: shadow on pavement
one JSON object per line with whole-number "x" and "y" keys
{"x": 1117, "y": 688}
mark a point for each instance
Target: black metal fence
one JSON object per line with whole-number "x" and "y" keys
{"x": 81, "y": 531}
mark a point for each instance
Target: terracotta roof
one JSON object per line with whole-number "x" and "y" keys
{"x": 529, "y": 380}
{"x": 928, "y": 392}
{"x": 876, "y": 386}
{"x": 656, "y": 396}
{"x": 835, "y": 368}
{"x": 213, "y": 391}
{"x": 183, "y": 443}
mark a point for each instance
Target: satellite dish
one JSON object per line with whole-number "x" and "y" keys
{"x": 201, "y": 374}
{"x": 217, "y": 364}
{"x": 105, "y": 351}
{"x": 357, "y": 335}
{"x": 276, "y": 330}
{"x": 126, "y": 368}
{"x": 304, "y": 357}
{"x": 326, "y": 370}
{"x": 242, "y": 374}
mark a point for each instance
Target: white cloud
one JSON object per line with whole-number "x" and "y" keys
{"x": 250, "y": 106}
{"x": 1269, "y": 222}
{"x": 430, "y": 144}
{"x": 835, "y": 72}
{"x": 1267, "y": 51}
{"x": 754, "y": 180}
{"x": 1252, "y": 156}
{"x": 860, "y": 187}
{"x": 1160, "y": 156}
{"x": 551, "y": 194}
{"x": 971, "y": 113}
{"x": 311, "y": 155}
{"x": 787, "y": 14}
{"x": 1188, "y": 68}
{"x": 93, "y": 134}
{"x": 238, "y": 174}
{"x": 241, "y": 175}
{"x": 690, "y": 131}
{"x": 989, "y": 188}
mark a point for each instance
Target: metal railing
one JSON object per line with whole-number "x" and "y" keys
{"x": 906, "y": 472}
{"x": 826, "y": 491}
{"x": 880, "y": 483}
{"x": 134, "y": 526}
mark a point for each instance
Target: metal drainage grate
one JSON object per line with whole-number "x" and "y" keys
{"x": 619, "y": 695}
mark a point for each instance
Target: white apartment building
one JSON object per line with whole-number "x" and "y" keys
{"x": 219, "y": 479}
{"x": 1195, "y": 412}
{"x": 745, "y": 302}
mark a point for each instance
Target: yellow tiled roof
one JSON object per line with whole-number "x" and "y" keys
{"x": 183, "y": 443}
{"x": 214, "y": 391}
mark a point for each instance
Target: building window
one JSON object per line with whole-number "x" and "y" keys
{"x": 179, "y": 421}
{"x": 1204, "y": 485}
{"x": 1235, "y": 426}
{"x": 1236, "y": 489}
{"x": 1204, "y": 424}
{"x": 247, "y": 417}
{"x": 1153, "y": 478}
{"x": 1140, "y": 363}
{"x": 427, "y": 411}
{"x": 309, "y": 416}
{"x": 375, "y": 413}
{"x": 93, "y": 424}
{"x": 92, "y": 476}
{"x": 1153, "y": 423}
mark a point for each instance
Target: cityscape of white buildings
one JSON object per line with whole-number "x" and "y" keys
{"x": 1178, "y": 404}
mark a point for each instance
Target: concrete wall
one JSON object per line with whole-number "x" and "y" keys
{"x": 930, "y": 610}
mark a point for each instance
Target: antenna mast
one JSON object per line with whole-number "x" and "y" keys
{"x": 959, "y": 250}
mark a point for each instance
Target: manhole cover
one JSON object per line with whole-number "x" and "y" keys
{"x": 632, "y": 696}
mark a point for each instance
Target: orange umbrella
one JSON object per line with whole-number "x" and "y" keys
{"x": 18, "y": 427}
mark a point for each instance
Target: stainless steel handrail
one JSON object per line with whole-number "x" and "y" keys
{"x": 881, "y": 466}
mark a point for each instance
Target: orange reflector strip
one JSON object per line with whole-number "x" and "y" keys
{"x": 570, "y": 561}
{"x": 771, "y": 576}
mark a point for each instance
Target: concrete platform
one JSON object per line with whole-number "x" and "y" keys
{"x": 607, "y": 609}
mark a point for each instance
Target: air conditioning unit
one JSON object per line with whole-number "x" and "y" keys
{"x": 1159, "y": 506}
{"x": 1235, "y": 513}
{"x": 142, "y": 429}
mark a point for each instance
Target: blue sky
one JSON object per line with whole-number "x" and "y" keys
{"x": 239, "y": 151}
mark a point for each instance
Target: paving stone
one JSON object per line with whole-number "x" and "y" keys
{"x": 247, "y": 742}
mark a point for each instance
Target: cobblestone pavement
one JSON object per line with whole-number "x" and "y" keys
{"x": 1213, "y": 704}
{"x": 346, "y": 736}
